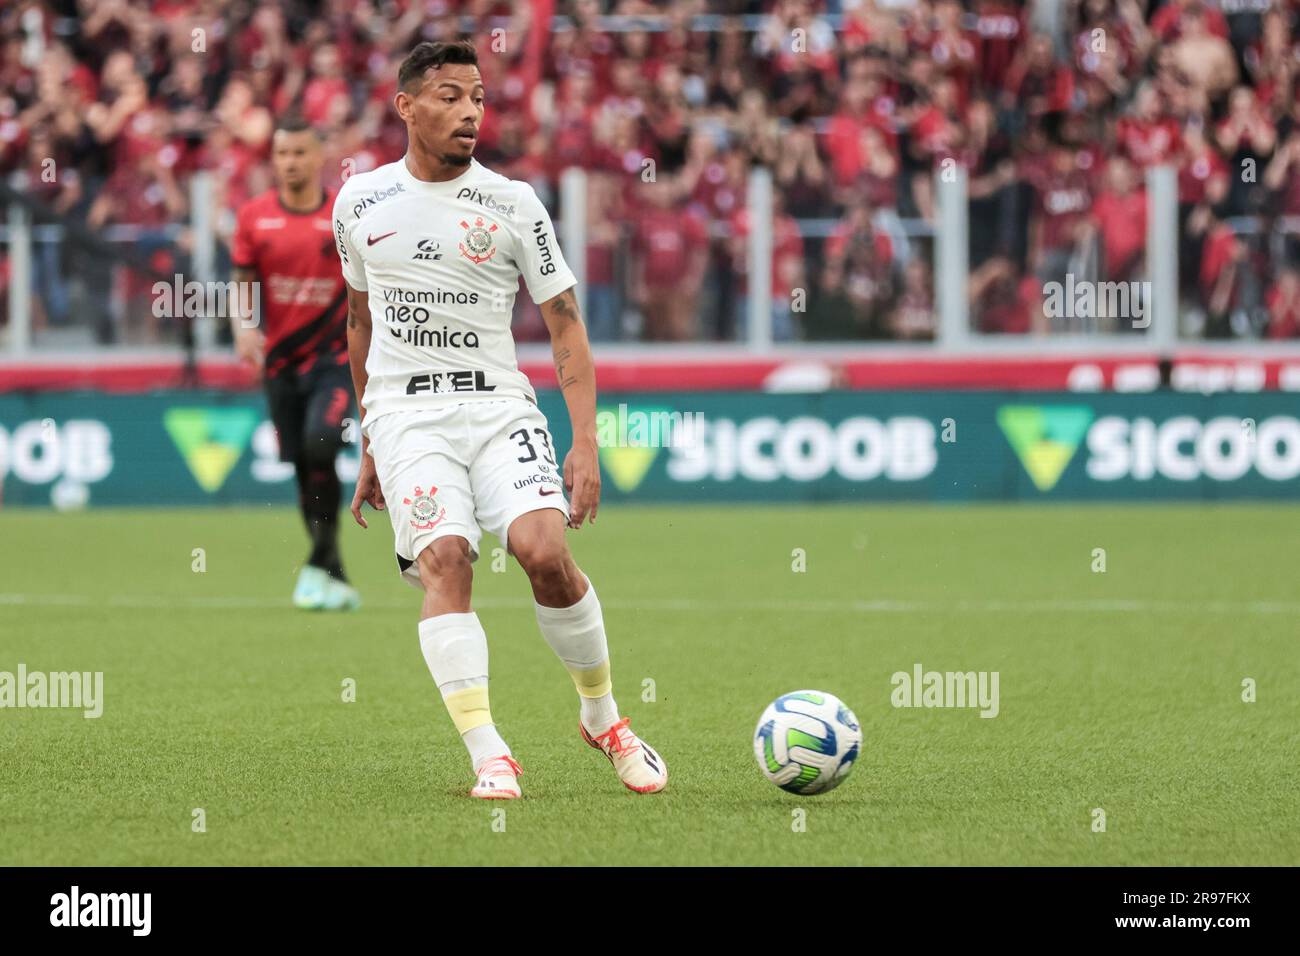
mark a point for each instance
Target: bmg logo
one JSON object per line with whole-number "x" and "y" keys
{"x": 543, "y": 238}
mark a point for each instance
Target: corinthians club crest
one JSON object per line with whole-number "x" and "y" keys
{"x": 479, "y": 245}
{"x": 425, "y": 512}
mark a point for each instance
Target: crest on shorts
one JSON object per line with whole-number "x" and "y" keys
{"x": 426, "y": 513}
{"x": 479, "y": 245}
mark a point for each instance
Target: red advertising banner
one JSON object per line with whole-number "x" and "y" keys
{"x": 711, "y": 370}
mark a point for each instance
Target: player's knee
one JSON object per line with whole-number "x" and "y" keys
{"x": 445, "y": 564}
{"x": 318, "y": 451}
{"x": 545, "y": 560}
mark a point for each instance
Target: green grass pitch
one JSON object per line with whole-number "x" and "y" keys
{"x": 1119, "y": 690}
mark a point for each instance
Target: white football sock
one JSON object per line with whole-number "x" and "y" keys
{"x": 577, "y": 635}
{"x": 455, "y": 648}
{"x": 484, "y": 743}
{"x": 598, "y": 714}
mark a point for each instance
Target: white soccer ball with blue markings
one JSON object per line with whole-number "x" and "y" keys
{"x": 806, "y": 742}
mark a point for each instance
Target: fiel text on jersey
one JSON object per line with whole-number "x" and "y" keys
{"x": 443, "y": 382}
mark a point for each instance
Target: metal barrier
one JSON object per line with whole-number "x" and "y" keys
{"x": 953, "y": 331}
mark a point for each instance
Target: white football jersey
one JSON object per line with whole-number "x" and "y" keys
{"x": 441, "y": 263}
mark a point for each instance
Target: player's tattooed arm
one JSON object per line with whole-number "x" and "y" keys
{"x": 575, "y": 373}
{"x": 564, "y": 307}
{"x": 359, "y": 329}
{"x": 561, "y": 357}
{"x": 250, "y": 344}
{"x": 569, "y": 344}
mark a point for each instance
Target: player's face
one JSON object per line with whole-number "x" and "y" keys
{"x": 445, "y": 115}
{"x": 296, "y": 158}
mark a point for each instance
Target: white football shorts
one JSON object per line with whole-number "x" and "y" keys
{"x": 462, "y": 470}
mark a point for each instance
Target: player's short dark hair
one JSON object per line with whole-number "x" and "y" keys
{"x": 295, "y": 123}
{"x": 410, "y": 75}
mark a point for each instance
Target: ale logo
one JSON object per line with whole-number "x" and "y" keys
{"x": 210, "y": 440}
{"x": 1045, "y": 438}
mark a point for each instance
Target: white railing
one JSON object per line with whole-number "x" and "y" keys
{"x": 950, "y": 232}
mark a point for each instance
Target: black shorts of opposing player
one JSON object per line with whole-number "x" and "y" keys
{"x": 309, "y": 412}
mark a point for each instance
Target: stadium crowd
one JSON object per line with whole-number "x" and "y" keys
{"x": 1055, "y": 108}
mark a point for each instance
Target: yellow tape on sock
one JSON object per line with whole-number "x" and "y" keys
{"x": 591, "y": 681}
{"x": 468, "y": 708}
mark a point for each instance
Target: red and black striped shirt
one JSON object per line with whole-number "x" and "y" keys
{"x": 303, "y": 298}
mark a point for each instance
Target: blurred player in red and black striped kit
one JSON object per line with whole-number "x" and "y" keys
{"x": 284, "y": 240}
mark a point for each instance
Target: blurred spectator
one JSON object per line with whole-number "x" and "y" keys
{"x": 800, "y": 174}
{"x": 1246, "y": 137}
{"x": 1283, "y": 303}
{"x": 143, "y": 193}
{"x": 327, "y": 93}
{"x": 936, "y": 133}
{"x": 1120, "y": 217}
{"x": 1223, "y": 256}
{"x": 1148, "y": 135}
{"x": 41, "y": 178}
{"x": 1059, "y": 226}
{"x": 1114, "y": 40}
{"x": 1204, "y": 175}
{"x": 987, "y": 155}
{"x": 1169, "y": 20}
{"x": 1202, "y": 51}
{"x": 1282, "y": 175}
{"x": 857, "y": 285}
{"x": 604, "y": 307}
{"x": 864, "y": 109}
{"x": 914, "y": 316}
{"x": 1036, "y": 82}
{"x": 670, "y": 251}
{"x": 1002, "y": 300}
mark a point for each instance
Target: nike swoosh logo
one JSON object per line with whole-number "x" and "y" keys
{"x": 547, "y": 491}
{"x": 371, "y": 240}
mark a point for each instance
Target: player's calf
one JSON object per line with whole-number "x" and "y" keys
{"x": 322, "y": 585}
{"x": 572, "y": 622}
{"x": 568, "y": 612}
{"x": 455, "y": 649}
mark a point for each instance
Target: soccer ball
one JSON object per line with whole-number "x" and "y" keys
{"x": 806, "y": 742}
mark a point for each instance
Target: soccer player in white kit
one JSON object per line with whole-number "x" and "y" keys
{"x": 453, "y": 442}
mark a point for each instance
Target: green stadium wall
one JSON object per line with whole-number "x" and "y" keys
{"x": 77, "y": 449}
